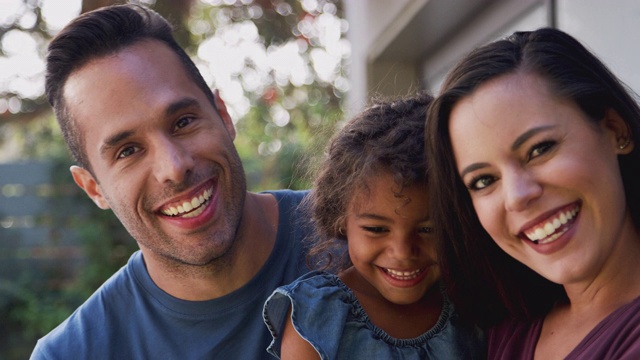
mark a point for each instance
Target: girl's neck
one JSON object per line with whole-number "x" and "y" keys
{"x": 401, "y": 321}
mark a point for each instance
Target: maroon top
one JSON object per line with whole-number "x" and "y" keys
{"x": 615, "y": 337}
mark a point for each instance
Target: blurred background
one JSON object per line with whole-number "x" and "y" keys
{"x": 290, "y": 72}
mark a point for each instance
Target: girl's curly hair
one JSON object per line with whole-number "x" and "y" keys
{"x": 387, "y": 137}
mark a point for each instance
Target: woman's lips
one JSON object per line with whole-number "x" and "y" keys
{"x": 553, "y": 227}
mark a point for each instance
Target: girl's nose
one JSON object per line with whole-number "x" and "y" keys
{"x": 405, "y": 246}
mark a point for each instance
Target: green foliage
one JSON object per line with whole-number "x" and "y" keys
{"x": 288, "y": 118}
{"x": 279, "y": 157}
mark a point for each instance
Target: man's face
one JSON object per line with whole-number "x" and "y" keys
{"x": 163, "y": 158}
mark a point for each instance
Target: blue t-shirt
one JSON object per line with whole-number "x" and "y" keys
{"x": 129, "y": 317}
{"x": 327, "y": 314}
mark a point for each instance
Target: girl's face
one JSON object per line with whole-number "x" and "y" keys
{"x": 390, "y": 240}
{"x": 543, "y": 178}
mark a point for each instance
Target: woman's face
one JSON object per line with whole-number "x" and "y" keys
{"x": 543, "y": 178}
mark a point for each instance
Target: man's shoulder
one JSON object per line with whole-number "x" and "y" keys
{"x": 84, "y": 331}
{"x": 294, "y": 196}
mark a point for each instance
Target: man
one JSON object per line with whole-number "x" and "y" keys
{"x": 155, "y": 145}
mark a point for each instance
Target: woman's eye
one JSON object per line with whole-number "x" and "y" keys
{"x": 480, "y": 182}
{"x": 128, "y": 151}
{"x": 425, "y": 230}
{"x": 540, "y": 148}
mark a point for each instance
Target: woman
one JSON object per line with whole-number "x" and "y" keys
{"x": 535, "y": 172}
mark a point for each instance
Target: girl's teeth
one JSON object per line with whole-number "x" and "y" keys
{"x": 403, "y": 275}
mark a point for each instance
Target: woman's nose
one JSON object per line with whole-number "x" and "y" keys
{"x": 520, "y": 188}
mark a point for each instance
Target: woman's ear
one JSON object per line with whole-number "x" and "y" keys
{"x": 620, "y": 131}
{"x": 86, "y": 182}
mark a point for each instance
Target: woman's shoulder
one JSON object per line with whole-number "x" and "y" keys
{"x": 615, "y": 337}
{"x": 513, "y": 338}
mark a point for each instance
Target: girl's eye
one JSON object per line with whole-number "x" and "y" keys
{"x": 480, "y": 182}
{"x": 540, "y": 148}
{"x": 375, "y": 229}
{"x": 128, "y": 151}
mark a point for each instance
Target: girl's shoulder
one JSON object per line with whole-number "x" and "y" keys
{"x": 319, "y": 291}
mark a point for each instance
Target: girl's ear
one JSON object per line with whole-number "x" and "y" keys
{"x": 621, "y": 136}
{"x": 86, "y": 182}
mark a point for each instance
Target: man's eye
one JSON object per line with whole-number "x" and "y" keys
{"x": 183, "y": 122}
{"x": 128, "y": 151}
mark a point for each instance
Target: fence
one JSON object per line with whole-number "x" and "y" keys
{"x": 38, "y": 205}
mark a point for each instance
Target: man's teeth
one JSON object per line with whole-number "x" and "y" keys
{"x": 187, "y": 206}
{"x": 547, "y": 232}
{"x": 403, "y": 275}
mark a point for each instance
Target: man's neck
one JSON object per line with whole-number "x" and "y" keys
{"x": 254, "y": 242}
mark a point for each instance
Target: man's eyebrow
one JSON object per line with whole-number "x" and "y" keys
{"x": 170, "y": 110}
{"x": 114, "y": 140}
{"x": 181, "y": 104}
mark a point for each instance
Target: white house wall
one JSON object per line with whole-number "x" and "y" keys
{"x": 611, "y": 29}
{"x": 398, "y": 39}
{"x": 368, "y": 20}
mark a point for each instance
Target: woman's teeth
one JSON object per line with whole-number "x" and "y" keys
{"x": 548, "y": 232}
{"x": 186, "y": 209}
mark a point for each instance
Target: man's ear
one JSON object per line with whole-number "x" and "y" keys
{"x": 86, "y": 182}
{"x": 222, "y": 111}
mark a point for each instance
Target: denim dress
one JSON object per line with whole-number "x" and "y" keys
{"x": 326, "y": 313}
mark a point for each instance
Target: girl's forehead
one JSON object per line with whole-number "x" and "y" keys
{"x": 384, "y": 193}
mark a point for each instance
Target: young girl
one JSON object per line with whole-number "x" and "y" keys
{"x": 386, "y": 301}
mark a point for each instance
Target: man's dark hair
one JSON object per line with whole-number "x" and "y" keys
{"x": 96, "y": 34}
